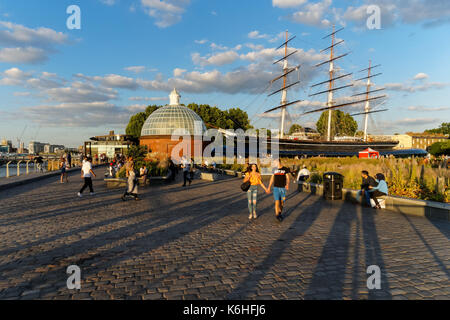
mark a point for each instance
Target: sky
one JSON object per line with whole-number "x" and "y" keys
{"x": 62, "y": 86}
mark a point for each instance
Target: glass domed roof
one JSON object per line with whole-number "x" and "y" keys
{"x": 166, "y": 120}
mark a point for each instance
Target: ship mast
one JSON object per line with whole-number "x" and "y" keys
{"x": 331, "y": 83}
{"x": 332, "y": 79}
{"x": 284, "y": 92}
{"x": 369, "y": 84}
{"x": 285, "y": 86}
{"x": 367, "y": 106}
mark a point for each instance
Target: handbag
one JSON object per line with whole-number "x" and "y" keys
{"x": 245, "y": 186}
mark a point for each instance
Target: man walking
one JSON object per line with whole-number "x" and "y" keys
{"x": 186, "y": 165}
{"x": 280, "y": 181}
{"x": 87, "y": 174}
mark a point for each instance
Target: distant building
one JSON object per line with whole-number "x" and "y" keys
{"x": 424, "y": 140}
{"x": 404, "y": 140}
{"x": 110, "y": 145}
{"x": 21, "y": 148}
{"x": 35, "y": 147}
{"x": 4, "y": 146}
{"x": 51, "y": 148}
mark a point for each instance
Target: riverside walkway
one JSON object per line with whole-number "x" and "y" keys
{"x": 197, "y": 243}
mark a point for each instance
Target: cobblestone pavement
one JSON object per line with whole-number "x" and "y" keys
{"x": 197, "y": 243}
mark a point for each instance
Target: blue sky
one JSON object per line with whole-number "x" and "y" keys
{"x": 63, "y": 86}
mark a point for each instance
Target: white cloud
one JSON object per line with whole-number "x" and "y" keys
{"x": 148, "y": 98}
{"x": 135, "y": 69}
{"x": 421, "y": 76}
{"x": 287, "y": 3}
{"x": 427, "y": 109}
{"x": 203, "y": 41}
{"x": 117, "y": 81}
{"x": 166, "y": 13}
{"x": 313, "y": 14}
{"x": 13, "y": 34}
{"x": 80, "y": 92}
{"x": 16, "y": 73}
{"x": 26, "y": 45}
{"x": 256, "y": 35}
{"x": 218, "y": 59}
{"x": 23, "y": 55}
{"x": 430, "y": 12}
{"x": 177, "y": 72}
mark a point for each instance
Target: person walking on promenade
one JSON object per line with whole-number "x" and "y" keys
{"x": 254, "y": 177}
{"x": 63, "y": 167}
{"x": 39, "y": 162}
{"x": 132, "y": 189}
{"x": 303, "y": 175}
{"x": 143, "y": 173}
{"x": 172, "y": 170}
{"x": 280, "y": 181}
{"x": 69, "y": 160}
{"x": 186, "y": 166}
{"x": 87, "y": 174}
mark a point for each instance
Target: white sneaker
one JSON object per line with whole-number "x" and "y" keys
{"x": 80, "y": 195}
{"x": 250, "y": 216}
{"x": 92, "y": 193}
{"x": 254, "y": 215}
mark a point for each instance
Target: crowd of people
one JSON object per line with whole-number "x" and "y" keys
{"x": 372, "y": 188}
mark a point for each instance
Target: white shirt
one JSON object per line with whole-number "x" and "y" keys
{"x": 303, "y": 172}
{"x": 186, "y": 165}
{"x": 87, "y": 167}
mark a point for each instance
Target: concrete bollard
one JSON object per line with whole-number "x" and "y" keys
{"x": 28, "y": 162}
{"x": 7, "y": 169}
{"x": 18, "y": 168}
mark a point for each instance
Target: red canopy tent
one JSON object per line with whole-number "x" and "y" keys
{"x": 369, "y": 153}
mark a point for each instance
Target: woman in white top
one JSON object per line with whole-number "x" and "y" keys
{"x": 132, "y": 189}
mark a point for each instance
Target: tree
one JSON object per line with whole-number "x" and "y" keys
{"x": 342, "y": 124}
{"x": 136, "y": 122}
{"x": 443, "y": 129}
{"x": 440, "y": 148}
{"x": 239, "y": 118}
{"x": 233, "y": 118}
{"x": 295, "y": 128}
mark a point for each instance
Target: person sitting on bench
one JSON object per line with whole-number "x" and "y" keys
{"x": 380, "y": 190}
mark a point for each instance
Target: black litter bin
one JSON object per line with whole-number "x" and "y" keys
{"x": 332, "y": 185}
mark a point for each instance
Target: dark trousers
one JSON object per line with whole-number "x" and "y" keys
{"x": 186, "y": 177}
{"x": 300, "y": 180}
{"x": 87, "y": 183}
{"x": 376, "y": 194}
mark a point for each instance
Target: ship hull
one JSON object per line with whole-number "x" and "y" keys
{"x": 334, "y": 146}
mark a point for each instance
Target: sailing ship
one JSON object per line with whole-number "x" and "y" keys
{"x": 331, "y": 145}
